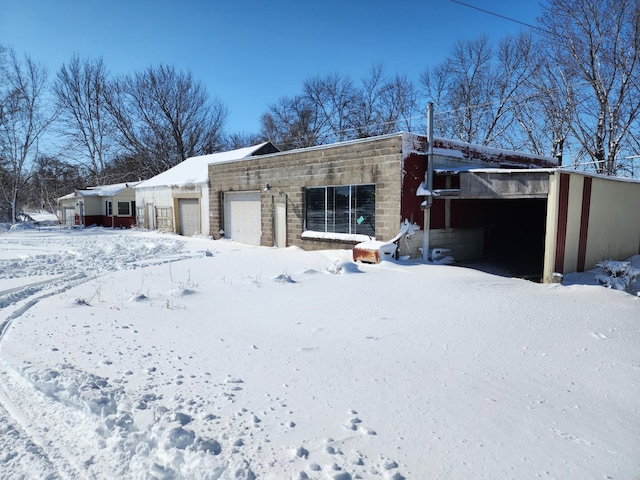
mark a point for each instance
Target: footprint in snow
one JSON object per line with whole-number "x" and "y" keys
{"x": 598, "y": 335}
{"x": 233, "y": 380}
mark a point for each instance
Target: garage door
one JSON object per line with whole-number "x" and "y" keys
{"x": 242, "y": 217}
{"x": 189, "y": 215}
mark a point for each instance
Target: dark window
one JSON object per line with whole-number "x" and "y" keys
{"x": 342, "y": 209}
{"x": 124, "y": 209}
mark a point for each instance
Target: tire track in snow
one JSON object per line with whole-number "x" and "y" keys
{"x": 27, "y": 423}
{"x": 99, "y": 257}
{"x": 21, "y": 458}
{"x": 34, "y": 444}
{"x": 26, "y": 295}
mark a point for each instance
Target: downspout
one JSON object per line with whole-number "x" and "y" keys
{"x": 113, "y": 225}
{"x": 429, "y": 183}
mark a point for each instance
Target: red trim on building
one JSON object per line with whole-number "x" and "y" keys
{"x": 584, "y": 223}
{"x": 563, "y": 213}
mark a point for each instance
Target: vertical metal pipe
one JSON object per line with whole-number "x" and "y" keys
{"x": 429, "y": 183}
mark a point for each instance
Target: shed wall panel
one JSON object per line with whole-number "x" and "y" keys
{"x": 614, "y": 222}
{"x": 574, "y": 215}
{"x": 601, "y": 224}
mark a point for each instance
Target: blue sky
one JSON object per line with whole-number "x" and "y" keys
{"x": 250, "y": 53}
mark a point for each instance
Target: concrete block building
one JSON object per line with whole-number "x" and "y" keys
{"x": 488, "y": 204}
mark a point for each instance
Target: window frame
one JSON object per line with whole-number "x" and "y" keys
{"x": 120, "y": 204}
{"x": 333, "y": 199}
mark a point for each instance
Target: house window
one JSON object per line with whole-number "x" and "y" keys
{"x": 341, "y": 209}
{"x": 124, "y": 209}
{"x": 108, "y": 208}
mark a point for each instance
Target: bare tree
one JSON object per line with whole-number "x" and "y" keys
{"x": 463, "y": 83}
{"x": 242, "y": 139}
{"x": 435, "y": 81}
{"x": 164, "y": 116}
{"x": 545, "y": 112}
{"x": 477, "y": 90}
{"x": 597, "y": 45}
{"x": 333, "y": 97}
{"x": 80, "y": 90}
{"x": 381, "y": 105}
{"x": 23, "y": 121}
{"x": 399, "y": 104}
{"x": 51, "y": 179}
{"x": 515, "y": 63}
{"x": 292, "y": 123}
{"x": 368, "y": 114}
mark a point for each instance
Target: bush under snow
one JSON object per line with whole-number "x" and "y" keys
{"x": 617, "y": 275}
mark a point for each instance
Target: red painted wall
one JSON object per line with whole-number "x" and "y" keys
{"x": 105, "y": 221}
{"x": 414, "y": 167}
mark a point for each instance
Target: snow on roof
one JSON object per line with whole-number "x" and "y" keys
{"x": 475, "y": 169}
{"x": 483, "y": 151}
{"x": 195, "y": 169}
{"x": 106, "y": 190}
{"x": 100, "y": 191}
{"x": 67, "y": 196}
{"x": 42, "y": 216}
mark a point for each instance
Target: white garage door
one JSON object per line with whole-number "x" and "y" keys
{"x": 189, "y": 215}
{"x": 242, "y": 217}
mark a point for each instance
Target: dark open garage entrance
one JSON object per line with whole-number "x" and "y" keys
{"x": 514, "y": 233}
{"x": 495, "y": 219}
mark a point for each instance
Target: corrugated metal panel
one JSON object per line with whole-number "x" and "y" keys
{"x": 584, "y": 223}
{"x": 598, "y": 219}
{"x": 574, "y": 215}
{"x": 561, "y": 233}
{"x": 614, "y": 221}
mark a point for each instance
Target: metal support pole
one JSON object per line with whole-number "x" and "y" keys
{"x": 429, "y": 183}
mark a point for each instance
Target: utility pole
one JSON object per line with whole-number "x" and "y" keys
{"x": 428, "y": 180}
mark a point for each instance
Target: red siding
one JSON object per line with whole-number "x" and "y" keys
{"x": 414, "y": 167}
{"x": 105, "y": 221}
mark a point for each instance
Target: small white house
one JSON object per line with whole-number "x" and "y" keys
{"x": 105, "y": 205}
{"x": 177, "y": 200}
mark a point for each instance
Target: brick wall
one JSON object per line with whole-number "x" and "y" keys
{"x": 372, "y": 161}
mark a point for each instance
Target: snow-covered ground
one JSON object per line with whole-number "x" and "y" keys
{"x": 132, "y": 354}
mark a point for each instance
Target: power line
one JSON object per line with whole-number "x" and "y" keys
{"x": 502, "y": 16}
